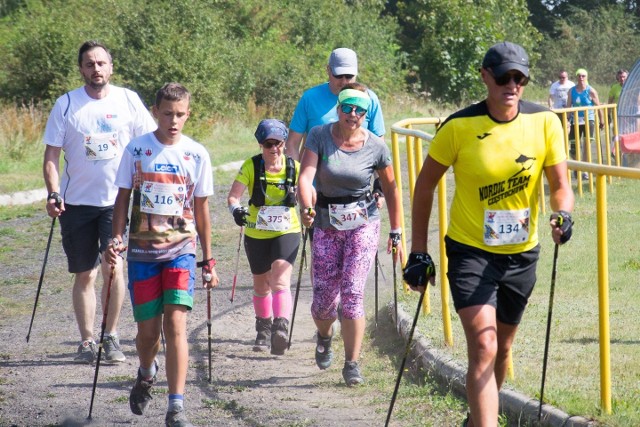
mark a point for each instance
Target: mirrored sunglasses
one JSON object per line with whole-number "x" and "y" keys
{"x": 348, "y": 109}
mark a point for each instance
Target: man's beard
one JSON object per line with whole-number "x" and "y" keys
{"x": 96, "y": 86}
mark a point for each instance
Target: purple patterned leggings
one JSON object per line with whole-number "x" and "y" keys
{"x": 341, "y": 263}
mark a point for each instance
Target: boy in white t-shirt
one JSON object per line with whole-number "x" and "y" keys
{"x": 170, "y": 178}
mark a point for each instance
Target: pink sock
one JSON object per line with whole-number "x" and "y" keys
{"x": 282, "y": 303}
{"x": 262, "y": 305}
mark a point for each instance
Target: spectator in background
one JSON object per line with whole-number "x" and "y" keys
{"x": 583, "y": 95}
{"x": 559, "y": 91}
{"x": 92, "y": 125}
{"x": 616, "y": 88}
{"x": 614, "y": 97}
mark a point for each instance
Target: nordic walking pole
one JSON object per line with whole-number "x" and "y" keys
{"x": 404, "y": 359}
{"x": 546, "y": 340}
{"x": 44, "y": 264}
{"x": 235, "y": 274}
{"x": 395, "y": 288}
{"x": 209, "y": 328}
{"x": 295, "y": 301}
{"x": 376, "y": 288}
{"x": 104, "y": 326}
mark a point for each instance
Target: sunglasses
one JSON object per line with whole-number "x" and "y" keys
{"x": 348, "y": 109}
{"x": 343, "y": 76}
{"x": 518, "y": 78}
{"x": 270, "y": 144}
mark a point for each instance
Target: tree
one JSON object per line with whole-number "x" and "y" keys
{"x": 602, "y": 41}
{"x": 446, "y": 41}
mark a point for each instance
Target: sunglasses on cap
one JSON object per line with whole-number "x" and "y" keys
{"x": 518, "y": 78}
{"x": 343, "y": 76}
{"x": 270, "y": 144}
{"x": 348, "y": 109}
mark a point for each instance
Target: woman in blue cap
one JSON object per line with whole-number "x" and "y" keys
{"x": 342, "y": 158}
{"x": 272, "y": 235}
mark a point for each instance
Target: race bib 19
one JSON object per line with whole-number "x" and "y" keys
{"x": 101, "y": 146}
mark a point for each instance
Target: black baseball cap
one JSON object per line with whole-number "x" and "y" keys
{"x": 504, "y": 57}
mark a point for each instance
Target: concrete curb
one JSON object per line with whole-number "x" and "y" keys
{"x": 451, "y": 374}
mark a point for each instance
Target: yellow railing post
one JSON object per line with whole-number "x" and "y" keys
{"x": 603, "y": 294}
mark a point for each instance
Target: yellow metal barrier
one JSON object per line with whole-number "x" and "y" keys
{"x": 599, "y": 170}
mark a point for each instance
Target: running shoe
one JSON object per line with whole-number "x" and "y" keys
{"x": 324, "y": 355}
{"x": 140, "y": 395}
{"x": 87, "y": 352}
{"x": 176, "y": 419}
{"x": 112, "y": 352}
{"x": 351, "y": 374}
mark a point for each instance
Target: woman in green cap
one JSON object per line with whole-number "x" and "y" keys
{"x": 342, "y": 158}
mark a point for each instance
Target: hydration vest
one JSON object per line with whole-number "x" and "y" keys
{"x": 260, "y": 183}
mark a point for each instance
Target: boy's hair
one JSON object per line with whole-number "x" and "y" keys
{"x": 354, "y": 85}
{"x": 87, "y": 46}
{"x": 172, "y": 92}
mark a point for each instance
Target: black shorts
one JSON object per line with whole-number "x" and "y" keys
{"x": 478, "y": 277}
{"x": 86, "y": 231}
{"x": 261, "y": 253}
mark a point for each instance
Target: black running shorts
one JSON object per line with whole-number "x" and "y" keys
{"x": 86, "y": 231}
{"x": 261, "y": 253}
{"x": 478, "y": 277}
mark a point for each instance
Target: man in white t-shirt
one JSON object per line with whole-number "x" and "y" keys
{"x": 559, "y": 90}
{"x": 92, "y": 125}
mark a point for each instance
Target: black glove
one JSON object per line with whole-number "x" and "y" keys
{"x": 377, "y": 188}
{"x": 418, "y": 269}
{"x": 565, "y": 223}
{"x": 240, "y": 215}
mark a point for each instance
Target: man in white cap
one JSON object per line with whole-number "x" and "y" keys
{"x": 317, "y": 105}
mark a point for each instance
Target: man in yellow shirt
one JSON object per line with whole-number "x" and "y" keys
{"x": 498, "y": 148}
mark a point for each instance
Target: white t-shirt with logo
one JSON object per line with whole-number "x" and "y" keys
{"x": 165, "y": 179}
{"x": 93, "y": 133}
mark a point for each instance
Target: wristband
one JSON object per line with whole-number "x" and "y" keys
{"x": 55, "y": 196}
{"x": 211, "y": 262}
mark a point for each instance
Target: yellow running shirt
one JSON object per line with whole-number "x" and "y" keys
{"x": 498, "y": 167}
{"x": 274, "y": 196}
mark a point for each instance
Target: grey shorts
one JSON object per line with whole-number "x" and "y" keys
{"x": 261, "y": 253}
{"x": 478, "y": 277}
{"x": 86, "y": 231}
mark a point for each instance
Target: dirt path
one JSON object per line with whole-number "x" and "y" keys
{"x": 41, "y": 386}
